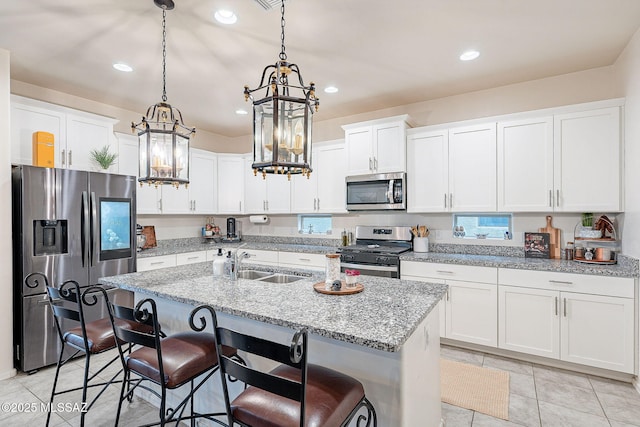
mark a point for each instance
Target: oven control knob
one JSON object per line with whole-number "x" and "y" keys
{"x": 383, "y": 260}
{"x": 347, "y": 257}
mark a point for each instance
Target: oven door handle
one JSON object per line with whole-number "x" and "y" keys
{"x": 370, "y": 267}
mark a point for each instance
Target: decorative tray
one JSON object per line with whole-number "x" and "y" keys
{"x": 319, "y": 287}
{"x": 595, "y": 261}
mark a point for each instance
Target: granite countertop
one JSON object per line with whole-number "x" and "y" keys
{"x": 626, "y": 267}
{"x": 382, "y": 317}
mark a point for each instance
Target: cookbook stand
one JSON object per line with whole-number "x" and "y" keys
{"x": 591, "y": 239}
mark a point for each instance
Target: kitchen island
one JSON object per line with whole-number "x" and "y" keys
{"x": 386, "y": 336}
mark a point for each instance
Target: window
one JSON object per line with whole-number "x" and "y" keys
{"x": 493, "y": 225}
{"x": 314, "y": 224}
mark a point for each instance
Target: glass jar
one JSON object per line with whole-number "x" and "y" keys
{"x": 579, "y": 252}
{"x": 332, "y": 269}
{"x": 568, "y": 251}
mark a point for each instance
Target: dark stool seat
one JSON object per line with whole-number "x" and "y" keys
{"x": 100, "y": 335}
{"x": 330, "y": 398}
{"x": 184, "y": 356}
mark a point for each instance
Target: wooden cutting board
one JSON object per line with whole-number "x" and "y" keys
{"x": 554, "y": 238}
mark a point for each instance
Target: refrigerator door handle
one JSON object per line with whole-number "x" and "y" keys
{"x": 84, "y": 235}
{"x": 93, "y": 229}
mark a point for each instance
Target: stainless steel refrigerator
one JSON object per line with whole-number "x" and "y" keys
{"x": 68, "y": 225}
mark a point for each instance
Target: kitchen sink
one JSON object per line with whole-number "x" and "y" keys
{"x": 253, "y": 274}
{"x": 280, "y": 278}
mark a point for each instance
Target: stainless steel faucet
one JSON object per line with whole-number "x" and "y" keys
{"x": 237, "y": 261}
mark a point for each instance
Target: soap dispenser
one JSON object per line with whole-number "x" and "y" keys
{"x": 218, "y": 264}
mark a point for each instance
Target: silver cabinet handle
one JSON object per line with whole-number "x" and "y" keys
{"x": 159, "y": 204}
{"x": 370, "y": 164}
{"x": 560, "y": 282}
{"x": 318, "y": 204}
{"x": 267, "y": 204}
{"x": 550, "y": 198}
{"x": 565, "y": 306}
{"x": 445, "y": 200}
{"x": 444, "y": 272}
{"x": 304, "y": 259}
{"x": 192, "y": 257}
{"x": 556, "y": 304}
{"x": 157, "y": 263}
{"x": 64, "y": 157}
{"x": 447, "y": 294}
{"x": 70, "y": 158}
{"x": 194, "y": 205}
{"x": 375, "y": 163}
{"x": 314, "y": 204}
{"x": 558, "y": 198}
{"x": 264, "y": 205}
{"x": 240, "y": 205}
{"x": 450, "y": 200}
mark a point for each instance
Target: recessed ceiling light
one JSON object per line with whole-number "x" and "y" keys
{"x": 122, "y": 67}
{"x": 225, "y": 17}
{"x": 469, "y": 55}
{"x": 241, "y": 112}
{"x": 330, "y": 89}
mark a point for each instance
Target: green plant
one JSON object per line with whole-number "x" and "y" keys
{"x": 103, "y": 157}
{"x": 587, "y": 220}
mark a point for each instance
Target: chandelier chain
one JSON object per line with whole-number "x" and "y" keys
{"x": 283, "y": 55}
{"x": 164, "y": 55}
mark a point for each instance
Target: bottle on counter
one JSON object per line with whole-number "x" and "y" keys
{"x": 228, "y": 266}
{"x": 568, "y": 251}
{"x": 332, "y": 270}
{"x": 219, "y": 264}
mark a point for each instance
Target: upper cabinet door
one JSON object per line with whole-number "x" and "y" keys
{"x": 427, "y": 171}
{"x": 83, "y": 136}
{"x": 278, "y": 194}
{"x": 525, "y": 165}
{"x": 255, "y": 190}
{"x": 202, "y": 182}
{"x": 389, "y": 142}
{"x": 330, "y": 169}
{"x": 359, "y": 150}
{"x": 587, "y": 155}
{"x": 304, "y": 197}
{"x": 472, "y": 168}
{"x": 25, "y": 120}
{"x": 230, "y": 184}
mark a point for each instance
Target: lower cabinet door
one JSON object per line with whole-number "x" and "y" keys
{"x": 529, "y": 321}
{"x": 597, "y": 331}
{"x": 472, "y": 312}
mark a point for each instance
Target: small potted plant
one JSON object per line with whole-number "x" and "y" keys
{"x": 103, "y": 157}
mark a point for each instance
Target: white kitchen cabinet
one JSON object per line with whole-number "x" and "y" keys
{"x": 199, "y": 196}
{"x": 428, "y": 171}
{"x": 191, "y": 257}
{"x": 258, "y": 256}
{"x": 75, "y": 132}
{"x": 452, "y": 170}
{"x": 156, "y": 262}
{"x": 571, "y": 317}
{"x": 266, "y": 195}
{"x": 376, "y": 146}
{"x": 587, "y": 152}
{"x": 324, "y": 190}
{"x": 127, "y": 153}
{"x": 470, "y": 306}
{"x": 525, "y": 165}
{"x": 231, "y": 172}
{"x": 472, "y": 168}
{"x": 307, "y": 261}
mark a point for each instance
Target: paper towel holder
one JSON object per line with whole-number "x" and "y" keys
{"x": 258, "y": 219}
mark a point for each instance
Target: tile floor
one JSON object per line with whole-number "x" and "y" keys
{"x": 539, "y": 396}
{"x": 547, "y": 397}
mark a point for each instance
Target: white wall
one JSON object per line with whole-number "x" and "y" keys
{"x": 628, "y": 69}
{"x": 6, "y": 277}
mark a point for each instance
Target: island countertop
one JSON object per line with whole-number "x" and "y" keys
{"x": 382, "y": 317}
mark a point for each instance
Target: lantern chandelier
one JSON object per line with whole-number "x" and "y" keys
{"x": 163, "y": 136}
{"x": 282, "y": 120}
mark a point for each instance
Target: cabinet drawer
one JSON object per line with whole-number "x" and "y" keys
{"x": 301, "y": 259}
{"x": 584, "y": 283}
{"x": 191, "y": 257}
{"x": 261, "y": 257}
{"x": 465, "y": 273}
{"x": 153, "y": 263}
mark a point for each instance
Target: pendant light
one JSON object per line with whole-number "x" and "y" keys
{"x": 282, "y": 120}
{"x": 163, "y": 137}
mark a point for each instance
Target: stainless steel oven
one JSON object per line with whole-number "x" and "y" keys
{"x": 386, "y": 191}
{"x": 377, "y": 251}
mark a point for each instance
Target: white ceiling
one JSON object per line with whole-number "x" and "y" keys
{"x": 379, "y": 53}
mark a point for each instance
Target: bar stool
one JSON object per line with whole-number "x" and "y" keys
{"x": 68, "y": 303}
{"x": 169, "y": 363}
{"x": 293, "y": 394}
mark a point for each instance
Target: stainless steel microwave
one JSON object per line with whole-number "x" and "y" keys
{"x": 384, "y": 191}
